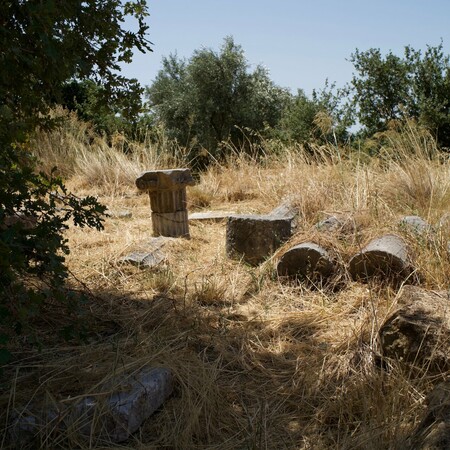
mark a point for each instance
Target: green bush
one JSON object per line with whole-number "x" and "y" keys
{"x": 42, "y": 46}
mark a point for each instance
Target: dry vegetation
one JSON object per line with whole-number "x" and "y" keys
{"x": 259, "y": 364}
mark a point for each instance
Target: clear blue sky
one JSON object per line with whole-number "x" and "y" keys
{"x": 301, "y": 43}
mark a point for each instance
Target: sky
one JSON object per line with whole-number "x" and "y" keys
{"x": 301, "y": 43}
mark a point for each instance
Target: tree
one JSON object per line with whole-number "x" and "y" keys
{"x": 42, "y": 46}
{"x": 214, "y": 97}
{"x": 87, "y": 99}
{"x": 381, "y": 87}
{"x": 431, "y": 87}
{"x": 321, "y": 118}
{"x": 414, "y": 86}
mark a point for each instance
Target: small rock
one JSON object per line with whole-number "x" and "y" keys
{"x": 415, "y": 224}
{"x": 330, "y": 224}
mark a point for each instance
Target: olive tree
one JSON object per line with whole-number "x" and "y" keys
{"x": 213, "y": 97}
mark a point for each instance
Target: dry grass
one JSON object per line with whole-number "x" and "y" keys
{"x": 259, "y": 364}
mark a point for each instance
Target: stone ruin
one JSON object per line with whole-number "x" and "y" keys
{"x": 167, "y": 192}
{"x": 255, "y": 238}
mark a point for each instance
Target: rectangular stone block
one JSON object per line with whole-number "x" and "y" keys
{"x": 254, "y": 238}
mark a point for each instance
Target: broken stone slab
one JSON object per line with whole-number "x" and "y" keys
{"x": 308, "y": 260}
{"x": 144, "y": 259}
{"x": 254, "y": 238}
{"x": 418, "y": 332}
{"x": 135, "y": 399}
{"x": 386, "y": 256}
{"x": 168, "y": 202}
{"x": 433, "y": 431}
{"x": 211, "y": 216}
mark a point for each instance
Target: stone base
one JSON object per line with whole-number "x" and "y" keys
{"x": 170, "y": 224}
{"x": 254, "y": 238}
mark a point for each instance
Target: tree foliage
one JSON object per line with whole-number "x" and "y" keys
{"x": 42, "y": 46}
{"x": 390, "y": 87}
{"x": 213, "y": 97}
{"x": 321, "y": 118}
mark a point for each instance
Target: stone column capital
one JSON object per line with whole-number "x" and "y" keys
{"x": 167, "y": 180}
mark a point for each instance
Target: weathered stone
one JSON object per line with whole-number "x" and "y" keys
{"x": 167, "y": 192}
{"x": 305, "y": 260}
{"x": 144, "y": 259}
{"x": 433, "y": 431}
{"x": 113, "y": 419}
{"x": 418, "y": 332}
{"x": 254, "y": 238}
{"x": 386, "y": 256}
{"x": 415, "y": 224}
{"x": 211, "y": 216}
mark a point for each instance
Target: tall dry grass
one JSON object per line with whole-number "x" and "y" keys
{"x": 259, "y": 364}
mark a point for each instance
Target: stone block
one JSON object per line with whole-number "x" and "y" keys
{"x": 254, "y": 238}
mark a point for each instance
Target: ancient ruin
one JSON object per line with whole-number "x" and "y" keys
{"x": 167, "y": 191}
